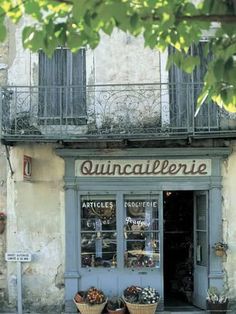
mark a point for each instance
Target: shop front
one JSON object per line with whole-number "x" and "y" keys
{"x": 143, "y": 217}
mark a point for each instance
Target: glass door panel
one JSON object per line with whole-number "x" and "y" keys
{"x": 141, "y": 231}
{"x": 98, "y": 231}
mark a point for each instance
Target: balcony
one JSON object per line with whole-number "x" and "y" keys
{"x": 135, "y": 111}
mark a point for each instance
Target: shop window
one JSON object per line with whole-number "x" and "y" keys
{"x": 141, "y": 231}
{"x": 98, "y": 231}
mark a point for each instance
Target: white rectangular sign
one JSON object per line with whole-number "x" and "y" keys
{"x": 18, "y": 257}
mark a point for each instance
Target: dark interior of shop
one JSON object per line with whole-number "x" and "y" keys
{"x": 178, "y": 247}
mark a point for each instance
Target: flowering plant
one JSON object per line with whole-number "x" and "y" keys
{"x": 115, "y": 303}
{"x": 3, "y": 216}
{"x": 214, "y": 296}
{"x": 136, "y": 294}
{"x": 91, "y": 296}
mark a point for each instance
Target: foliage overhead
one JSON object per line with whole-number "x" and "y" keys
{"x": 179, "y": 23}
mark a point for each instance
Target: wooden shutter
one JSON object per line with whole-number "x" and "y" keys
{"x": 62, "y": 81}
{"x": 184, "y": 91}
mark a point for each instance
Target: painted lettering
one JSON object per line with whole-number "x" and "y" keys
{"x": 155, "y": 167}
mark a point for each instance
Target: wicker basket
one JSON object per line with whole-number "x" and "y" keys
{"x": 135, "y": 308}
{"x": 85, "y": 308}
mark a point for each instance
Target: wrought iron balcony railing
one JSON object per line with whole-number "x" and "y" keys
{"x": 73, "y": 113}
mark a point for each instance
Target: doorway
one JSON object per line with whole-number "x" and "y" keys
{"x": 178, "y": 214}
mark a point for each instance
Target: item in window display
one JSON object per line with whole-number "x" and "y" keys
{"x": 136, "y": 211}
{"x": 86, "y": 261}
{"x": 92, "y": 261}
{"x": 113, "y": 262}
{"x": 98, "y": 262}
{"x": 88, "y": 241}
{"x": 137, "y": 246}
{"x": 134, "y": 232}
{"x": 91, "y": 224}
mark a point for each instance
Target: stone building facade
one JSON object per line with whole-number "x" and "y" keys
{"x": 129, "y": 122}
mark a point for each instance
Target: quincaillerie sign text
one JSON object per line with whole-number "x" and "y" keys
{"x": 142, "y": 167}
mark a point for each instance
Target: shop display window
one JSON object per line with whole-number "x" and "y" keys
{"x": 141, "y": 231}
{"x": 98, "y": 231}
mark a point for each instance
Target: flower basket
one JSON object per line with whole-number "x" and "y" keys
{"x": 85, "y": 308}
{"x": 220, "y": 248}
{"x": 135, "y": 308}
{"x": 220, "y": 252}
{"x": 217, "y": 308}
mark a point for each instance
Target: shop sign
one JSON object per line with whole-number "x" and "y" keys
{"x": 27, "y": 167}
{"x": 143, "y": 167}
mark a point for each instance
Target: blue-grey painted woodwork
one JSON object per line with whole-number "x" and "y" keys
{"x": 75, "y": 186}
{"x": 71, "y": 225}
{"x": 63, "y": 71}
{"x": 184, "y": 100}
{"x": 201, "y": 258}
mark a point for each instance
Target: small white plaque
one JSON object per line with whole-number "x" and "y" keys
{"x": 18, "y": 257}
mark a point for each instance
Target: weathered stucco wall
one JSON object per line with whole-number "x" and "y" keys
{"x": 4, "y": 48}
{"x": 3, "y": 208}
{"x": 229, "y": 221}
{"x": 36, "y": 225}
{"x": 121, "y": 58}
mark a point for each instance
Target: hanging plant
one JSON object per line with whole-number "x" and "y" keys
{"x": 220, "y": 248}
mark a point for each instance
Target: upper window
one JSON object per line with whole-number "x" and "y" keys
{"x": 184, "y": 91}
{"x": 62, "y": 81}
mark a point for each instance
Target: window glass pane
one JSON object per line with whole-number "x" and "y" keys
{"x": 201, "y": 251}
{"x": 201, "y": 212}
{"x": 141, "y": 231}
{"x": 98, "y": 231}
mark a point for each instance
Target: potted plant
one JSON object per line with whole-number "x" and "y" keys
{"x": 91, "y": 301}
{"x": 216, "y": 302}
{"x": 220, "y": 248}
{"x": 141, "y": 300}
{"x": 3, "y": 219}
{"x": 115, "y": 305}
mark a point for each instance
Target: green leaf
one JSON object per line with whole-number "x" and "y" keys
{"x": 201, "y": 99}
{"x": 134, "y": 20}
{"x": 3, "y": 32}
{"x": 190, "y": 63}
{"x": 75, "y": 41}
{"x": 218, "y": 69}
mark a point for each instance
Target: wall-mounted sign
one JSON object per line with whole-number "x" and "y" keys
{"x": 142, "y": 167}
{"x": 18, "y": 257}
{"x": 27, "y": 167}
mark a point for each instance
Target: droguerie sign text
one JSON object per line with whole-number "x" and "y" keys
{"x": 142, "y": 167}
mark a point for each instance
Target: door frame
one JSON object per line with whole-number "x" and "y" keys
{"x": 199, "y": 293}
{"x": 74, "y": 184}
